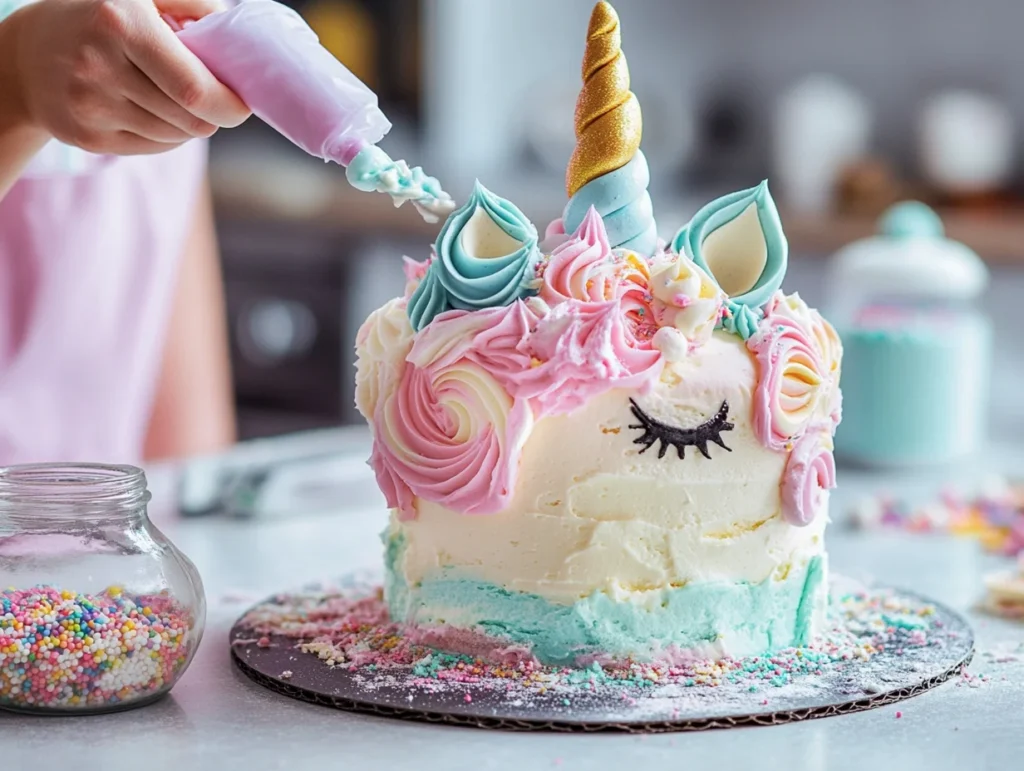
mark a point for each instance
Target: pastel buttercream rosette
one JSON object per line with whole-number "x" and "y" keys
{"x": 792, "y": 380}
{"x": 449, "y": 433}
{"x": 581, "y": 267}
{"x": 585, "y": 268}
{"x": 555, "y": 358}
{"x": 826, "y": 342}
{"x": 687, "y": 304}
{"x": 494, "y": 339}
{"x": 810, "y": 473}
{"x": 738, "y": 240}
{"x": 579, "y": 350}
{"x": 486, "y": 254}
{"x": 382, "y": 343}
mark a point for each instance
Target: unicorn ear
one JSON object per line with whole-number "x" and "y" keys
{"x": 736, "y": 253}
{"x": 738, "y": 239}
{"x": 484, "y": 239}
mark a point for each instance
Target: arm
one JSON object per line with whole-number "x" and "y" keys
{"x": 19, "y": 139}
{"x": 193, "y": 411}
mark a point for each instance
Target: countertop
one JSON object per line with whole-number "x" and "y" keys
{"x": 215, "y": 718}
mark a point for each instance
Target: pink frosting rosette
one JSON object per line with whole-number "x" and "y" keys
{"x": 792, "y": 380}
{"x": 585, "y": 268}
{"x": 556, "y": 358}
{"x": 450, "y": 432}
{"x": 826, "y": 343}
{"x": 382, "y": 343}
{"x": 494, "y": 339}
{"x": 810, "y": 474}
{"x": 579, "y": 350}
{"x": 450, "y": 429}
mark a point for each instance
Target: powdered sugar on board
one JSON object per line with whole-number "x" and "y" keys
{"x": 340, "y": 648}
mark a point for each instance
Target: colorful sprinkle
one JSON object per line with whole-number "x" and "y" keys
{"x": 62, "y": 650}
{"x": 354, "y": 632}
{"x": 995, "y": 516}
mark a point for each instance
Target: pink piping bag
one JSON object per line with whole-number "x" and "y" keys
{"x": 267, "y": 54}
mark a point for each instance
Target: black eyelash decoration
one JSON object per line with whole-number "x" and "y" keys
{"x": 680, "y": 438}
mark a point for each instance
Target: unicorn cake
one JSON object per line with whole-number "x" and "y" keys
{"x": 600, "y": 445}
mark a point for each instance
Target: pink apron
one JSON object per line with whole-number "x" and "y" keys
{"x": 88, "y": 262}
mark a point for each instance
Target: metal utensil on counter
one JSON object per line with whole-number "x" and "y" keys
{"x": 319, "y": 472}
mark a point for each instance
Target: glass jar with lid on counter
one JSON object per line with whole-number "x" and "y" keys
{"x": 916, "y": 345}
{"x": 98, "y": 610}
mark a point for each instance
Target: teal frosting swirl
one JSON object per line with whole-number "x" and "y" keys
{"x": 740, "y": 320}
{"x": 428, "y": 301}
{"x": 721, "y": 212}
{"x": 458, "y": 279}
{"x": 622, "y": 200}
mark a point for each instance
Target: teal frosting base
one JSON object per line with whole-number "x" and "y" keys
{"x": 761, "y": 617}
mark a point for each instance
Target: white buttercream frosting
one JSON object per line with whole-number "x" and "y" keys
{"x": 686, "y": 298}
{"x": 384, "y": 340}
{"x": 591, "y": 513}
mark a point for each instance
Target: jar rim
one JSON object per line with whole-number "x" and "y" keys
{"x": 63, "y": 490}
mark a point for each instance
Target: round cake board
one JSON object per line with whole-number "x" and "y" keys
{"x": 890, "y": 675}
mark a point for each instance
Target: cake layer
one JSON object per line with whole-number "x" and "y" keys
{"x": 706, "y": 619}
{"x": 591, "y": 513}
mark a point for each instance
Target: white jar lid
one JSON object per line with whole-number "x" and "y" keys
{"x": 909, "y": 257}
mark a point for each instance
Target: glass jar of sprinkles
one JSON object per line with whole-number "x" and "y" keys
{"x": 98, "y": 610}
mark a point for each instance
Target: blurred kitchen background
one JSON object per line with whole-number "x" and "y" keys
{"x": 846, "y": 107}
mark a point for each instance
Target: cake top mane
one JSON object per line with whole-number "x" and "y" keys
{"x": 498, "y": 329}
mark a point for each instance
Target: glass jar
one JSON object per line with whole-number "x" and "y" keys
{"x": 99, "y": 612}
{"x": 916, "y": 345}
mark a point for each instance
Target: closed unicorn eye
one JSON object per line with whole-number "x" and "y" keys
{"x": 656, "y": 431}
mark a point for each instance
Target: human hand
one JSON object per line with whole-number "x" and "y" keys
{"x": 111, "y": 77}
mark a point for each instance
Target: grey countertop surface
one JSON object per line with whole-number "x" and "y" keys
{"x": 217, "y": 718}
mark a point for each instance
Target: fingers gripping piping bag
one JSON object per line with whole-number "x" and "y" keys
{"x": 267, "y": 54}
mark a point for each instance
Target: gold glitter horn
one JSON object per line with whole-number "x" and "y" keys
{"x": 608, "y": 121}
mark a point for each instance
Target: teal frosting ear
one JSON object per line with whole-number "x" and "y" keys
{"x": 472, "y": 282}
{"x": 428, "y": 301}
{"x": 721, "y": 213}
{"x": 458, "y": 279}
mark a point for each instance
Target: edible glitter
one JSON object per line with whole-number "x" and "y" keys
{"x": 62, "y": 650}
